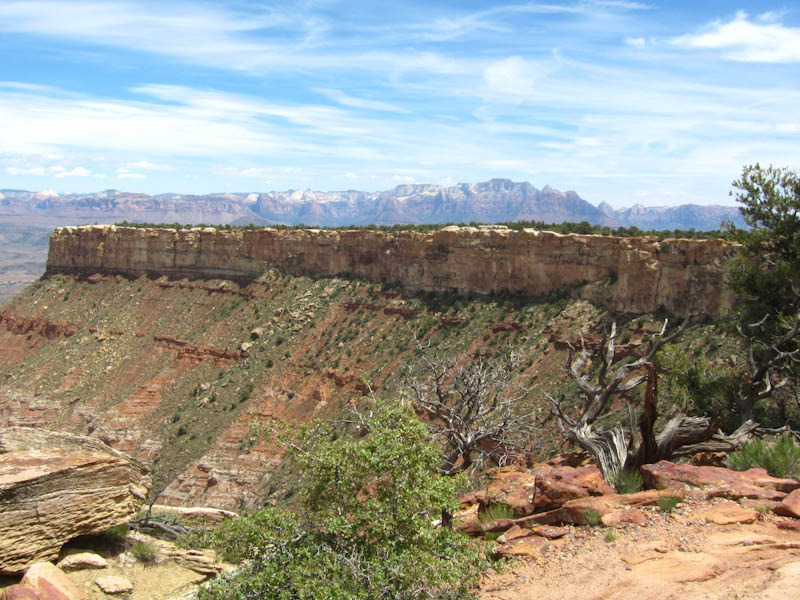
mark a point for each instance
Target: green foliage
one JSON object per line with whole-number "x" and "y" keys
{"x": 114, "y": 537}
{"x": 668, "y": 503}
{"x": 780, "y": 459}
{"x": 364, "y": 528}
{"x": 145, "y": 552}
{"x": 493, "y": 512}
{"x": 766, "y": 275}
{"x": 611, "y": 535}
{"x": 591, "y": 517}
{"x": 696, "y": 387}
{"x": 628, "y": 481}
{"x": 584, "y": 227}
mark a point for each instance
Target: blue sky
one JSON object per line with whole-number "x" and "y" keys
{"x": 659, "y": 103}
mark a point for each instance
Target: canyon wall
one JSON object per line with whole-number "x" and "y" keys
{"x": 635, "y": 275}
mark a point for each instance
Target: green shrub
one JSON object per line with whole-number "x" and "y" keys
{"x": 628, "y": 481}
{"x": 780, "y": 459}
{"x": 364, "y": 528}
{"x": 493, "y": 512}
{"x": 115, "y": 537}
{"x": 611, "y": 535}
{"x": 668, "y": 503}
{"x": 145, "y": 552}
{"x": 591, "y": 517}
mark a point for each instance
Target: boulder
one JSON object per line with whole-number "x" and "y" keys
{"x": 18, "y": 592}
{"x": 789, "y": 506}
{"x": 82, "y": 560}
{"x": 544, "y": 488}
{"x": 624, "y": 516}
{"x": 55, "y": 487}
{"x": 711, "y": 482}
{"x": 114, "y": 584}
{"x": 50, "y": 583}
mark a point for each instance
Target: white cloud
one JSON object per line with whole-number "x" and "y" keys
{"x": 636, "y": 42}
{"x": 76, "y": 172}
{"x": 55, "y": 170}
{"x": 746, "y": 41}
{"x": 222, "y": 38}
{"x": 351, "y": 101}
{"x": 514, "y": 78}
{"x": 148, "y": 166}
{"x": 407, "y": 179}
{"x": 124, "y": 173}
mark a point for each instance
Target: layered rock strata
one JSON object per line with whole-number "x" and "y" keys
{"x": 57, "y": 486}
{"x": 635, "y": 275}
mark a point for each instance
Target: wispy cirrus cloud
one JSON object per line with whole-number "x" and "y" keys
{"x": 53, "y": 170}
{"x": 742, "y": 39}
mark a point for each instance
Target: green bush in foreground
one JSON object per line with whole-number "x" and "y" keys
{"x": 628, "y": 481}
{"x": 780, "y": 459}
{"x": 364, "y": 530}
{"x": 668, "y": 503}
{"x": 145, "y": 552}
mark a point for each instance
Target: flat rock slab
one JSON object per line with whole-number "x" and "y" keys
{"x": 114, "y": 584}
{"x": 50, "y": 582}
{"x": 527, "y": 547}
{"x": 718, "y": 481}
{"x": 727, "y": 513}
{"x": 83, "y": 560}
{"x": 582, "y": 510}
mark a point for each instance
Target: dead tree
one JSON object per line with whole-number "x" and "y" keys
{"x": 475, "y": 408}
{"x": 602, "y": 377}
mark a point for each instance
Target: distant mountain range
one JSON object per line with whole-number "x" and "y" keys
{"x": 497, "y": 200}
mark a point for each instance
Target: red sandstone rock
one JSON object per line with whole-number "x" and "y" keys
{"x": 789, "y": 506}
{"x": 625, "y": 515}
{"x": 50, "y": 582}
{"x": 557, "y": 485}
{"x": 550, "y": 532}
{"x": 727, "y": 513}
{"x": 514, "y": 533}
{"x": 577, "y": 511}
{"x": 545, "y": 488}
{"x": 18, "y": 592}
{"x": 718, "y": 481}
{"x": 789, "y": 525}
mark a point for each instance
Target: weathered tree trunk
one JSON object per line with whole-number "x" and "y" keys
{"x": 720, "y": 442}
{"x": 609, "y": 448}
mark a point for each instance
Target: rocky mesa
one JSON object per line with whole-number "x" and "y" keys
{"x": 634, "y": 275}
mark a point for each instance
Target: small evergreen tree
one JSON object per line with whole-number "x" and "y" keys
{"x": 365, "y": 529}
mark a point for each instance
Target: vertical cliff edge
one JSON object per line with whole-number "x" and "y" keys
{"x": 634, "y": 275}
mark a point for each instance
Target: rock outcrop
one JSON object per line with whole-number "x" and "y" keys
{"x": 635, "y": 275}
{"x": 57, "y": 486}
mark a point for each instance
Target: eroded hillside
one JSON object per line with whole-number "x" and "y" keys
{"x": 175, "y": 372}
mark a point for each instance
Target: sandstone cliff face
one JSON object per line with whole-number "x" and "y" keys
{"x": 635, "y": 275}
